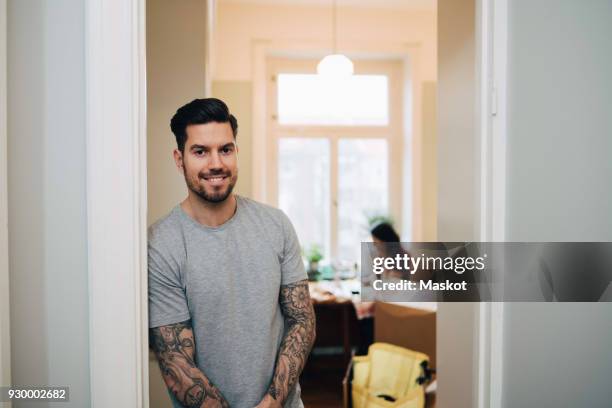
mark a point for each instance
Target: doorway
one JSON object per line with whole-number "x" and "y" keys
{"x": 243, "y": 70}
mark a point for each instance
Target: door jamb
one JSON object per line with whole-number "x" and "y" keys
{"x": 116, "y": 202}
{"x": 492, "y": 45}
{"x": 5, "y": 339}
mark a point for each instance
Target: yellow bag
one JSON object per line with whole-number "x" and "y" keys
{"x": 391, "y": 371}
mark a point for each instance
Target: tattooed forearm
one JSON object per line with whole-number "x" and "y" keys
{"x": 299, "y": 338}
{"x": 175, "y": 351}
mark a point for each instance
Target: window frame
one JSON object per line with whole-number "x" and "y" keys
{"x": 392, "y": 133}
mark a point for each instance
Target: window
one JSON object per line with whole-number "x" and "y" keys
{"x": 363, "y": 189}
{"x": 303, "y": 190}
{"x": 311, "y": 100}
{"x": 332, "y": 146}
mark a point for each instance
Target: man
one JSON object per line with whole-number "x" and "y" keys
{"x": 229, "y": 310}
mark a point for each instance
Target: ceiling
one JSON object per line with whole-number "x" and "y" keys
{"x": 394, "y": 4}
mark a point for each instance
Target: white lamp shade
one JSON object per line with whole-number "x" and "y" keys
{"x": 335, "y": 65}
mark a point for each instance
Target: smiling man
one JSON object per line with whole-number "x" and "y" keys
{"x": 230, "y": 316}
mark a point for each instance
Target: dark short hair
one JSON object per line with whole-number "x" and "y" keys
{"x": 199, "y": 112}
{"x": 385, "y": 232}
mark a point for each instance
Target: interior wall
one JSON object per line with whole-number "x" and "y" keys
{"x": 559, "y": 189}
{"x": 176, "y": 33}
{"x": 47, "y": 197}
{"x": 457, "y": 322}
{"x": 176, "y": 45}
{"x": 238, "y": 24}
{"x": 5, "y": 340}
{"x": 456, "y": 120}
{"x": 238, "y": 96}
{"x": 429, "y": 208}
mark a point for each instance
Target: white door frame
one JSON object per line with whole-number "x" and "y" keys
{"x": 116, "y": 202}
{"x": 5, "y": 339}
{"x": 492, "y": 46}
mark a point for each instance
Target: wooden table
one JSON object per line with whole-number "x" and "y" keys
{"x": 337, "y": 323}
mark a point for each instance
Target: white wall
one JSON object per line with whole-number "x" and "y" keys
{"x": 559, "y": 189}
{"x": 47, "y": 207}
{"x": 5, "y": 340}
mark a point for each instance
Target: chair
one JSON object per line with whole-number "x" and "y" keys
{"x": 388, "y": 377}
{"x": 408, "y": 327}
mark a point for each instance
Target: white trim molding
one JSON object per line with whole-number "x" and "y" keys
{"x": 499, "y": 119}
{"x": 498, "y": 185}
{"x": 492, "y": 35}
{"x": 5, "y": 339}
{"x": 116, "y": 202}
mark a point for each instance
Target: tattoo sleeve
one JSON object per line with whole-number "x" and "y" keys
{"x": 299, "y": 337}
{"x": 175, "y": 350}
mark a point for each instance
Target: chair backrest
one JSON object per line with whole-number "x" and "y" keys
{"x": 394, "y": 370}
{"x": 407, "y": 327}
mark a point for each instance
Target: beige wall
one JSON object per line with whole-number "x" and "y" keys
{"x": 456, "y": 120}
{"x": 238, "y": 96}
{"x": 175, "y": 76}
{"x": 239, "y": 24}
{"x": 429, "y": 164}
{"x": 457, "y": 322}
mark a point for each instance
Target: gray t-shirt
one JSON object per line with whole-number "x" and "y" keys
{"x": 227, "y": 280}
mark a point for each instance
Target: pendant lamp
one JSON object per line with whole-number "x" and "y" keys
{"x": 335, "y": 64}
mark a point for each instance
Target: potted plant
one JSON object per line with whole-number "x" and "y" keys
{"x": 376, "y": 219}
{"x": 313, "y": 256}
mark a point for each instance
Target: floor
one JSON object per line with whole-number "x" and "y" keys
{"x": 321, "y": 382}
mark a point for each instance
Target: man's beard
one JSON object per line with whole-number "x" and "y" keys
{"x": 214, "y": 198}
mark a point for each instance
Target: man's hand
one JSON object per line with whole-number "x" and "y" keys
{"x": 269, "y": 402}
{"x": 299, "y": 337}
{"x": 175, "y": 350}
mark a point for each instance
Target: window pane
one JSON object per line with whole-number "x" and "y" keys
{"x": 363, "y": 190}
{"x": 303, "y": 188}
{"x": 314, "y": 100}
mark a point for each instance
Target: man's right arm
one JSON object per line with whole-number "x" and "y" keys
{"x": 174, "y": 347}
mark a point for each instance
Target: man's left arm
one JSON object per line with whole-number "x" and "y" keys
{"x": 296, "y": 345}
